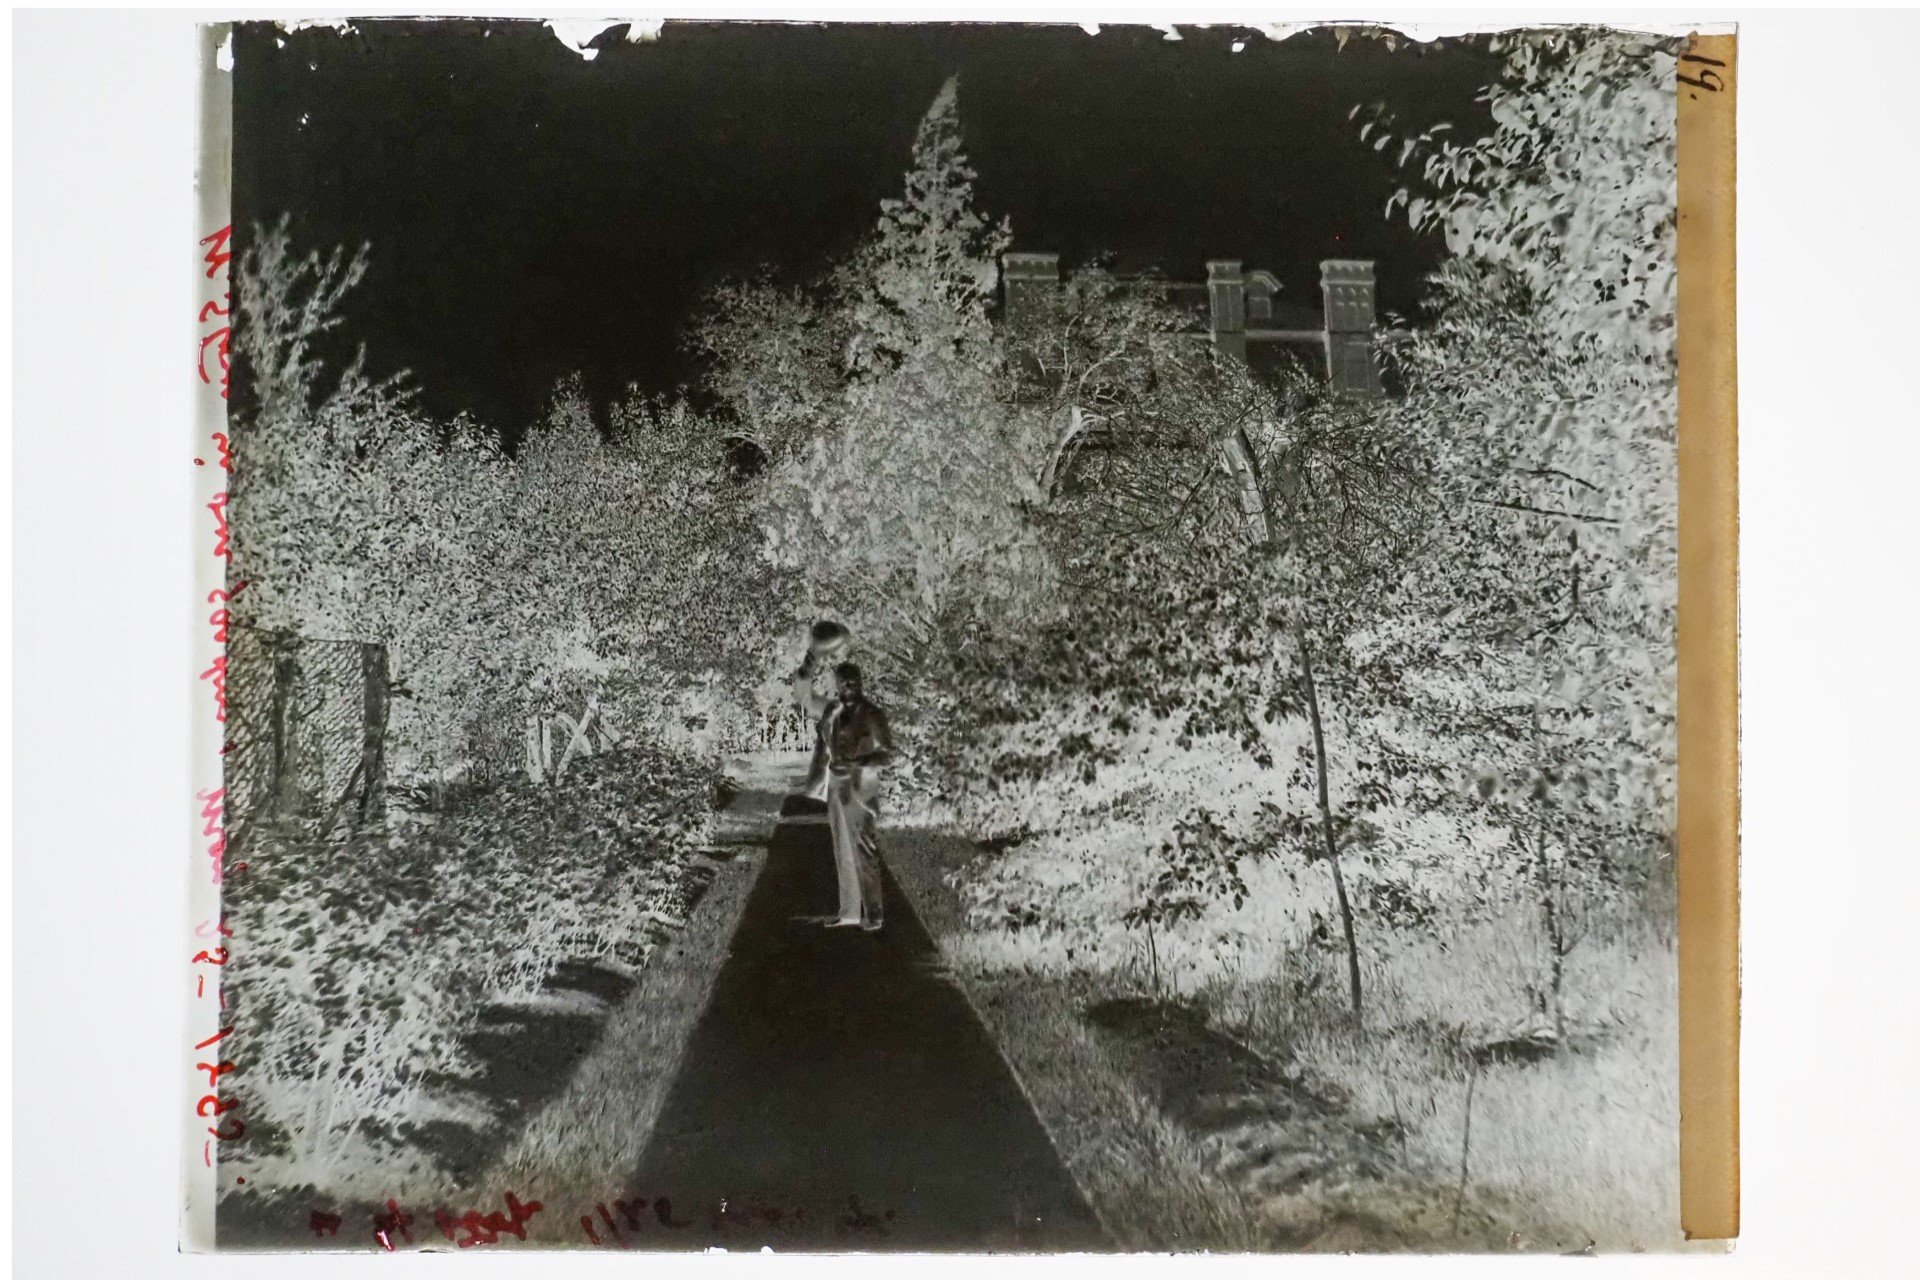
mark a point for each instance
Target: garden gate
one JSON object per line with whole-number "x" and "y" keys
{"x": 306, "y": 731}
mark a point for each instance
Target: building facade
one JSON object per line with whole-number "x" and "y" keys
{"x": 1244, "y": 314}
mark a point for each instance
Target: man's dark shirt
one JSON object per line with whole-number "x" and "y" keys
{"x": 858, "y": 735}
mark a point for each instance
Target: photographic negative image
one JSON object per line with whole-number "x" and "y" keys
{"x": 967, "y": 638}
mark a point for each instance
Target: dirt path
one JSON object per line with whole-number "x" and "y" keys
{"x": 839, "y": 1093}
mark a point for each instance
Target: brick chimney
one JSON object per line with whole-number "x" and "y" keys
{"x": 1262, "y": 288}
{"x": 1347, "y": 287}
{"x": 1026, "y": 282}
{"x": 1227, "y": 294}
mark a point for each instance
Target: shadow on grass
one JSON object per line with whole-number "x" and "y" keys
{"x": 566, "y": 1086}
{"x": 1182, "y": 1136}
{"x": 523, "y": 1055}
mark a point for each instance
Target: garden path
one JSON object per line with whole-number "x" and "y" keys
{"x": 839, "y": 1093}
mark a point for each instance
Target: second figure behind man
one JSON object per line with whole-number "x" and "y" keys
{"x": 859, "y": 744}
{"x": 814, "y": 694}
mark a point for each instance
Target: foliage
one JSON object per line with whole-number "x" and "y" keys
{"x": 1168, "y": 634}
{"x": 359, "y": 967}
{"x": 1182, "y": 621}
{"x": 1569, "y": 200}
{"x": 1545, "y": 387}
{"x": 576, "y": 583}
{"x": 923, "y": 281}
{"x": 775, "y": 359}
{"x": 1465, "y": 593}
{"x": 577, "y": 577}
{"x": 317, "y": 460}
{"x": 611, "y": 567}
{"x": 1124, "y": 389}
{"x": 898, "y": 483}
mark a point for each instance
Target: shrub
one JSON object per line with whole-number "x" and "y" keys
{"x": 359, "y": 968}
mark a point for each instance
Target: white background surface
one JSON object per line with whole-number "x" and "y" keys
{"x": 103, "y": 346}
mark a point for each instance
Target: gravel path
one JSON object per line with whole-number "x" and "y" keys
{"x": 839, "y": 1093}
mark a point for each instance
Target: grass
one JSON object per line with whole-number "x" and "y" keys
{"x": 579, "y": 1150}
{"x": 1571, "y": 1149}
{"x": 1222, "y": 1108}
{"x": 1149, "y": 1181}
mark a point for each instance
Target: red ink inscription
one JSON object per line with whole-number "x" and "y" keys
{"x": 213, "y": 807}
{"x": 221, "y": 619}
{"x": 220, "y": 344}
{"x": 214, "y": 1071}
{"x": 218, "y": 341}
{"x": 394, "y": 1222}
{"x": 218, "y": 255}
{"x": 488, "y": 1228}
{"x": 221, "y": 531}
{"x": 218, "y": 674}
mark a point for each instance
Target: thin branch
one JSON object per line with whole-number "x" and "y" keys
{"x": 1545, "y": 511}
{"x": 1564, "y": 475}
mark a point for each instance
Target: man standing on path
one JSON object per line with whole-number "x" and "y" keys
{"x": 859, "y": 745}
{"x": 814, "y": 694}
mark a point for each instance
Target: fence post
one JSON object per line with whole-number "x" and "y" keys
{"x": 286, "y": 674}
{"x": 373, "y": 732}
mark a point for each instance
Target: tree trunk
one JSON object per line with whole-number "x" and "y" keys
{"x": 1556, "y": 938}
{"x": 280, "y": 719}
{"x": 373, "y": 732}
{"x": 1466, "y": 1144}
{"x": 1326, "y": 813}
{"x": 1238, "y": 457}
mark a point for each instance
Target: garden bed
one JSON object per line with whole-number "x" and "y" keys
{"x": 404, "y": 999}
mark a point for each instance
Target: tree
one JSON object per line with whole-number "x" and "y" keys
{"x": 905, "y": 510}
{"x": 921, "y": 285}
{"x": 1463, "y": 598}
{"x": 775, "y": 359}
{"x": 1229, "y": 548}
{"x": 1097, "y": 360}
{"x": 1544, "y": 388}
{"x": 307, "y": 540}
{"x": 607, "y": 577}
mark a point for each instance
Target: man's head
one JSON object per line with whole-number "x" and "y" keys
{"x": 847, "y": 676}
{"x": 829, "y": 639}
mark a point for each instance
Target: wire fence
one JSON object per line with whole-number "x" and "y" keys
{"x": 306, "y": 732}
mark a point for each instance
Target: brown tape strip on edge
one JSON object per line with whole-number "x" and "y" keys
{"x": 1708, "y": 838}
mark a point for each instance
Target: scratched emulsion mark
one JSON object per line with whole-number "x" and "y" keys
{"x": 639, "y": 1223}
{"x": 579, "y": 34}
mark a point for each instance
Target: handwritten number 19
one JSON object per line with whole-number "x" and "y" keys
{"x": 1707, "y": 79}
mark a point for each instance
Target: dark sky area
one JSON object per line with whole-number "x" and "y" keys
{"x": 532, "y": 213}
